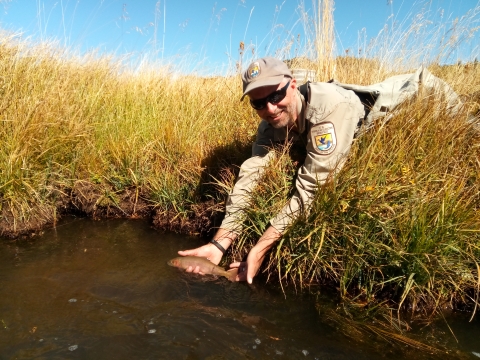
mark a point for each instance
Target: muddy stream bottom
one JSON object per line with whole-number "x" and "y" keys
{"x": 102, "y": 290}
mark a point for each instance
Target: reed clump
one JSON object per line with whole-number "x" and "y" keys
{"x": 85, "y": 133}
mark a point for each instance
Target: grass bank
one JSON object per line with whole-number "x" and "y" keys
{"x": 398, "y": 224}
{"x": 87, "y": 134}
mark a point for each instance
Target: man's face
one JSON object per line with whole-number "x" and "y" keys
{"x": 283, "y": 113}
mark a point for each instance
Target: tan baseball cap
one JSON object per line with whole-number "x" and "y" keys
{"x": 266, "y": 71}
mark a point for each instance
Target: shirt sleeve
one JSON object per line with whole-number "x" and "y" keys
{"x": 250, "y": 171}
{"x": 334, "y": 114}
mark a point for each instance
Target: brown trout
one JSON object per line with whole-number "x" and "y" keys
{"x": 206, "y": 266}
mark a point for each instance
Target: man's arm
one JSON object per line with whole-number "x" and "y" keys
{"x": 248, "y": 270}
{"x": 334, "y": 114}
{"x": 231, "y": 226}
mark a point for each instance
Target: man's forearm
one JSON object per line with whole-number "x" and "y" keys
{"x": 225, "y": 237}
{"x": 257, "y": 253}
{"x": 269, "y": 237}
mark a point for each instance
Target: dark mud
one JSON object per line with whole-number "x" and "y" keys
{"x": 200, "y": 219}
{"x": 96, "y": 201}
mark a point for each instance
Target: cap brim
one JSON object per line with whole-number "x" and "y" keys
{"x": 275, "y": 80}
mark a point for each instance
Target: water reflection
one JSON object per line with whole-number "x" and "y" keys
{"x": 98, "y": 290}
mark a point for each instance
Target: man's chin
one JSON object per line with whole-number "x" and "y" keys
{"x": 281, "y": 123}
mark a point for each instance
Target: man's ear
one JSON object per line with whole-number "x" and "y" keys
{"x": 293, "y": 83}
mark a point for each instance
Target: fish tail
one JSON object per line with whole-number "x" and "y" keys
{"x": 232, "y": 274}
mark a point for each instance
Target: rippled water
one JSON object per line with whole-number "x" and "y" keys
{"x": 103, "y": 290}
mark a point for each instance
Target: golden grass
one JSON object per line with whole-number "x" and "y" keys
{"x": 67, "y": 118}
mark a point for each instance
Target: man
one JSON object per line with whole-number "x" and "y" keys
{"x": 324, "y": 119}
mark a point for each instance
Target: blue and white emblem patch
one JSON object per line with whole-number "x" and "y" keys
{"x": 254, "y": 69}
{"x": 323, "y": 138}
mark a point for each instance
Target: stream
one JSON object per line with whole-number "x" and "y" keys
{"x": 103, "y": 290}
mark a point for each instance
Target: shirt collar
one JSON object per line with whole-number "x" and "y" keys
{"x": 301, "y": 105}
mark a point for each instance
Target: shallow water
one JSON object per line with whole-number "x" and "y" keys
{"x": 103, "y": 290}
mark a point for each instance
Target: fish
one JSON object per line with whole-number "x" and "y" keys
{"x": 206, "y": 266}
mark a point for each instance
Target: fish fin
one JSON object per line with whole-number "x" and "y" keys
{"x": 232, "y": 274}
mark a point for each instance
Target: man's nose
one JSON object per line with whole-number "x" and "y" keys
{"x": 270, "y": 107}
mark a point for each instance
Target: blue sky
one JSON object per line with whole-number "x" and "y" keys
{"x": 208, "y": 32}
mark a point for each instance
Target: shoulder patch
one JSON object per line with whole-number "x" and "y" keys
{"x": 323, "y": 138}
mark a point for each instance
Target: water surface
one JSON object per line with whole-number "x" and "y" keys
{"x": 103, "y": 290}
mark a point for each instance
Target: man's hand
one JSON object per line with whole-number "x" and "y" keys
{"x": 210, "y": 251}
{"x": 248, "y": 269}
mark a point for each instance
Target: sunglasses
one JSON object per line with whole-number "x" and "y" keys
{"x": 274, "y": 98}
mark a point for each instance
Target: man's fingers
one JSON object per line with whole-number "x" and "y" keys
{"x": 250, "y": 275}
{"x": 195, "y": 270}
{"x": 251, "y": 271}
{"x": 242, "y": 270}
{"x": 187, "y": 252}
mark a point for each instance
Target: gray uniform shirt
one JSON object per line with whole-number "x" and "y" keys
{"x": 327, "y": 125}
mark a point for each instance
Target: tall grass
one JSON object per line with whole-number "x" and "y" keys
{"x": 425, "y": 36}
{"x": 68, "y": 119}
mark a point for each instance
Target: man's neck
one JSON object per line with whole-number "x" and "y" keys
{"x": 293, "y": 126}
